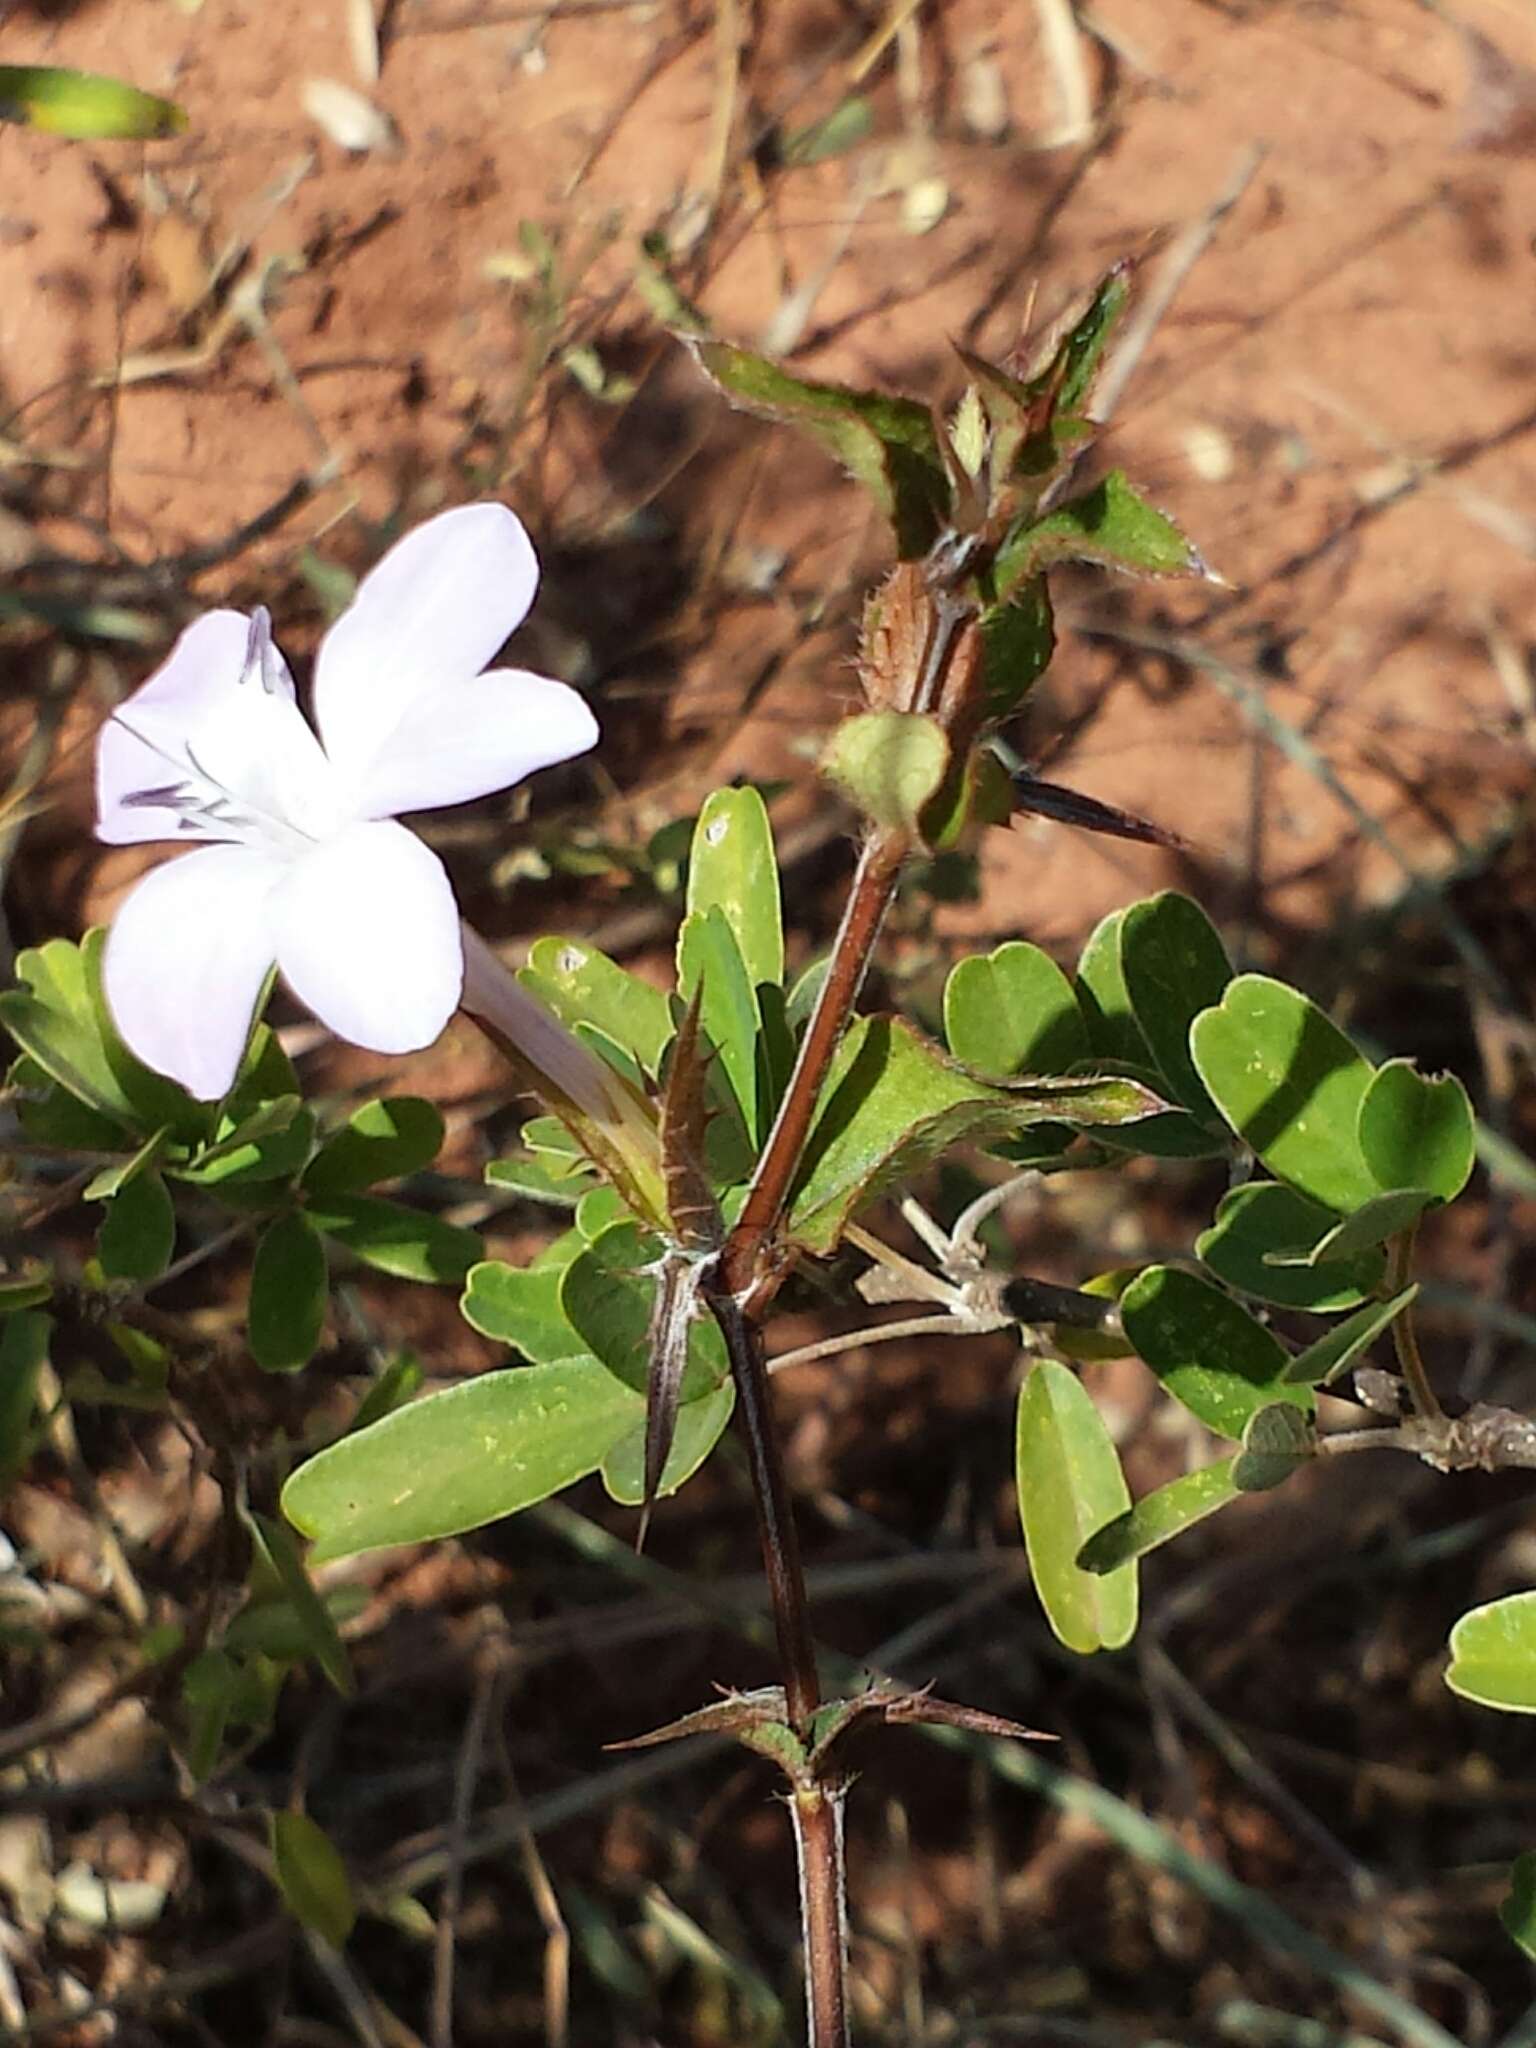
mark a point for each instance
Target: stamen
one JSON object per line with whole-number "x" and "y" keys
{"x": 260, "y": 655}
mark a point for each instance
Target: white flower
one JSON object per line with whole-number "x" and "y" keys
{"x": 307, "y": 869}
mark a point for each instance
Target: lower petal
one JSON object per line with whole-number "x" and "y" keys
{"x": 185, "y": 960}
{"x": 367, "y": 935}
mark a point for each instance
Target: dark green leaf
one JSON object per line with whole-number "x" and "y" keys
{"x": 1277, "y": 1442}
{"x": 112, "y": 1179}
{"x": 1207, "y": 1351}
{"x": 1070, "y": 1485}
{"x": 84, "y": 106}
{"x": 1113, "y": 1033}
{"x": 210, "y": 1687}
{"x": 1418, "y": 1131}
{"x": 1518, "y": 1910}
{"x": 609, "y": 1296}
{"x": 383, "y": 1140}
{"x": 138, "y": 1233}
{"x": 25, "y": 1290}
{"x": 1013, "y": 1012}
{"x": 733, "y": 866}
{"x": 24, "y": 1339}
{"x": 288, "y": 1294}
{"x": 1372, "y": 1224}
{"x": 399, "y": 1382}
{"x": 1174, "y": 966}
{"x": 1111, "y": 525}
{"x": 709, "y": 964}
{"x": 280, "y": 1554}
{"x": 1290, "y": 1084}
{"x": 272, "y": 1143}
{"x": 1254, "y": 1221}
{"x": 1017, "y": 640}
{"x": 459, "y": 1459}
{"x": 1326, "y": 1361}
{"x": 408, "y": 1243}
{"x": 1158, "y": 1517}
{"x": 50, "y": 1115}
{"x": 887, "y": 444}
{"x": 312, "y": 1877}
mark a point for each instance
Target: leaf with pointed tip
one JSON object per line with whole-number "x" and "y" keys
{"x": 277, "y": 1550}
{"x": 710, "y": 967}
{"x": 1374, "y": 1223}
{"x": 1013, "y": 1012}
{"x": 461, "y": 1458}
{"x": 733, "y": 864}
{"x": 1418, "y": 1130}
{"x": 1018, "y": 639}
{"x": 1111, "y": 525}
{"x": 886, "y": 444}
{"x": 1290, "y": 1084}
{"x": 1070, "y": 1484}
{"x": 1158, "y": 1517}
{"x": 1252, "y": 1220}
{"x": 579, "y": 984}
{"x": 1208, "y": 1352}
{"x": 1326, "y": 1361}
{"x": 1277, "y": 1442}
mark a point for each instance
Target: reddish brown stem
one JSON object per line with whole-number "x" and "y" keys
{"x": 817, "y": 1812}
{"x": 874, "y": 883}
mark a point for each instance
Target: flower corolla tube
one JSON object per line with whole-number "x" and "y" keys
{"x": 302, "y": 864}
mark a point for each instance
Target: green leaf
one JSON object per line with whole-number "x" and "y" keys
{"x": 733, "y": 866}
{"x": 312, "y": 1877}
{"x": 210, "y": 1687}
{"x": 1277, "y": 1442}
{"x": 461, "y": 1458}
{"x": 1418, "y": 1131}
{"x": 1112, "y": 525}
{"x": 84, "y": 106}
{"x": 51, "y": 1115}
{"x": 608, "y": 1297}
{"x": 272, "y": 1143}
{"x": 1493, "y": 1654}
{"x": 888, "y": 764}
{"x": 1113, "y": 1032}
{"x": 1290, "y": 1084}
{"x": 1082, "y": 349}
{"x": 52, "y": 1018}
{"x": 1252, "y": 1221}
{"x": 578, "y": 984}
{"x": 25, "y": 1290}
{"x": 709, "y": 960}
{"x": 700, "y": 1426}
{"x": 112, "y": 1179}
{"x": 399, "y": 1382}
{"x": 408, "y": 1243}
{"x": 1207, "y": 1351}
{"x": 24, "y": 1338}
{"x": 848, "y": 124}
{"x": 1174, "y": 966}
{"x": 1158, "y": 1517}
{"x": 286, "y": 1312}
{"x": 153, "y": 1098}
{"x": 528, "y": 1177}
{"x": 520, "y": 1305}
{"x": 382, "y": 1140}
{"x": 1070, "y": 1484}
{"x": 1372, "y": 1224}
{"x": 279, "y": 1553}
{"x": 1518, "y": 1910}
{"x": 1332, "y": 1355}
{"x": 275, "y": 1630}
{"x": 1018, "y": 639}
{"x": 138, "y": 1233}
{"x": 886, "y": 444}
{"x": 1013, "y": 1012}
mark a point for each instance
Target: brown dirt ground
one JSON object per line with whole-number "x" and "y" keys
{"x": 1338, "y": 403}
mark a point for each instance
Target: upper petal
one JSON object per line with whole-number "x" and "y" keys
{"x": 185, "y": 961}
{"x": 471, "y": 738}
{"x": 433, "y": 611}
{"x": 210, "y": 723}
{"x": 367, "y": 935}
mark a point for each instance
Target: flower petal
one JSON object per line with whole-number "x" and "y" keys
{"x": 215, "y": 724}
{"x": 185, "y": 960}
{"x": 468, "y": 739}
{"x": 368, "y": 937}
{"x": 434, "y": 611}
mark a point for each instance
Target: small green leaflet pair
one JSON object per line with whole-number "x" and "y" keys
{"x": 1358, "y": 1154}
